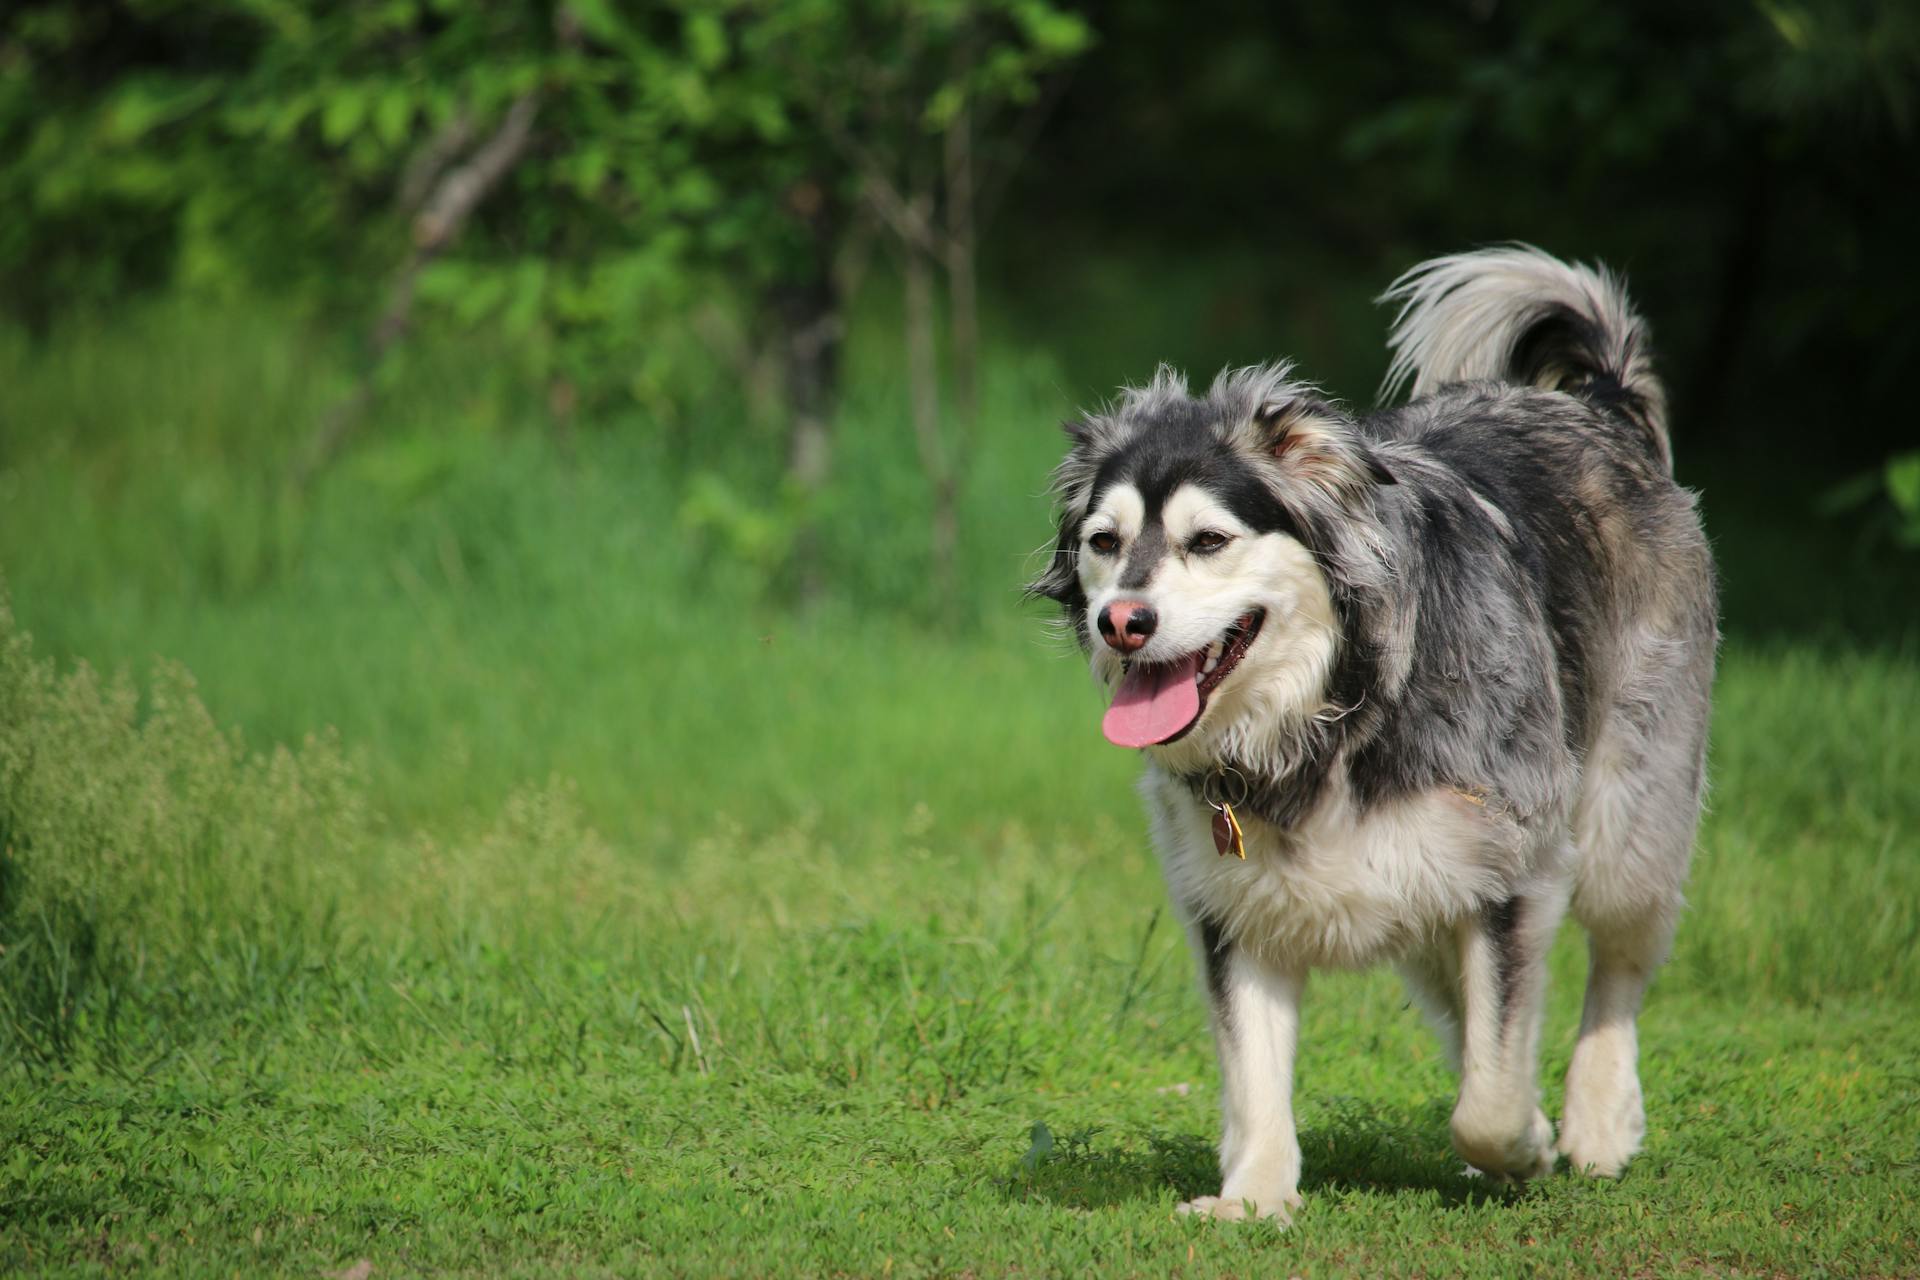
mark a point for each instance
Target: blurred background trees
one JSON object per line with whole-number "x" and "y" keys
{"x": 673, "y": 217}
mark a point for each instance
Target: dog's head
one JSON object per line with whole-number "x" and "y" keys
{"x": 1203, "y": 548}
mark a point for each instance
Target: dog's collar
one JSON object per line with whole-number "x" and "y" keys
{"x": 1279, "y": 802}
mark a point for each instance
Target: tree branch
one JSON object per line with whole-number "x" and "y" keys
{"x": 432, "y": 158}
{"x": 452, "y": 201}
{"x": 457, "y": 194}
{"x": 913, "y": 227}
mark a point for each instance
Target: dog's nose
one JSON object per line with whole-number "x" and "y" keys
{"x": 1126, "y": 624}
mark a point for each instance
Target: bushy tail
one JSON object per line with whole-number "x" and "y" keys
{"x": 1519, "y": 315}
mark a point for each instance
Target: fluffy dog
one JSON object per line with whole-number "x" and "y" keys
{"x": 1408, "y": 685}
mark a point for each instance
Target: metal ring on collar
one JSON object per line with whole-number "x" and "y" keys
{"x": 1224, "y": 786}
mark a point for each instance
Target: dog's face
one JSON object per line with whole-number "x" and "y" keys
{"x": 1186, "y": 565}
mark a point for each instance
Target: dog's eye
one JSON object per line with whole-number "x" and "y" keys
{"x": 1208, "y": 541}
{"x": 1104, "y": 542}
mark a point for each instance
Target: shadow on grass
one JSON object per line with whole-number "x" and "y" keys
{"x": 1348, "y": 1146}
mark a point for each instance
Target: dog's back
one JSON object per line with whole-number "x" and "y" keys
{"x": 1534, "y": 386}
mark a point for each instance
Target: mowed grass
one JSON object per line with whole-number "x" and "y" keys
{"x": 625, "y": 927}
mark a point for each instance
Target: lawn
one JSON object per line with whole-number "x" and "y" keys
{"x": 515, "y": 887}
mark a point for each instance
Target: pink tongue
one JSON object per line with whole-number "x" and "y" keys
{"x": 1153, "y": 703}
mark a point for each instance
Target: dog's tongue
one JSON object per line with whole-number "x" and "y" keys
{"x": 1153, "y": 703}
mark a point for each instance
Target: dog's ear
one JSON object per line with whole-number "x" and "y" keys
{"x": 1316, "y": 442}
{"x": 1059, "y": 579}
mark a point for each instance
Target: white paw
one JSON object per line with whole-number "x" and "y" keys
{"x": 1509, "y": 1160}
{"x": 1539, "y": 1157}
{"x": 1276, "y": 1209}
{"x": 1601, "y": 1150}
{"x": 1602, "y": 1155}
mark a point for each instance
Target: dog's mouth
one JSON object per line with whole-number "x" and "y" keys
{"x": 1157, "y": 703}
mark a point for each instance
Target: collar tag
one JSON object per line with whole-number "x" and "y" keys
{"x": 1220, "y": 791}
{"x": 1227, "y": 836}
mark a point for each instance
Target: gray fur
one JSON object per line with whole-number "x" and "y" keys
{"x": 1506, "y": 586}
{"x": 1526, "y": 619}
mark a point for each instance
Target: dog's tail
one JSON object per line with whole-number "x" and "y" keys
{"x": 1520, "y": 315}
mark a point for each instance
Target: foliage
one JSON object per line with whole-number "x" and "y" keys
{"x": 680, "y": 160}
{"x": 1740, "y": 160}
{"x": 701, "y": 167}
{"x": 1889, "y": 497}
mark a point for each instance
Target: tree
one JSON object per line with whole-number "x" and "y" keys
{"x": 903, "y": 112}
{"x": 651, "y": 198}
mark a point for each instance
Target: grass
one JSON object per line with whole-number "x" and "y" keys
{"x": 618, "y": 928}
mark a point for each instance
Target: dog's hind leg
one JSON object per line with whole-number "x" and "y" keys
{"x": 1256, "y": 1027}
{"x": 1639, "y": 804}
{"x": 1636, "y": 844}
{"x": 1604, "y": 1119}
{"x": 1497, "y": 1124}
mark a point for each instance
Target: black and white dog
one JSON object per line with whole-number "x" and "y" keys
{"x": 1409, "y": 684}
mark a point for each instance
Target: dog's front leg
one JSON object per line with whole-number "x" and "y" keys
{"x": 1498, "y": 1126}
{"x": 1256, "y": 1026}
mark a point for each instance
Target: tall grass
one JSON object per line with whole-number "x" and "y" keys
{"x": 133, "y": 839}
{"x": 527, "y": 695}
{"x": 473, "y": 603}
{"x": 1807, "y": 879}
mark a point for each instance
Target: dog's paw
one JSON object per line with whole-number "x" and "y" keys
{"x": 1597, "y": 1140}
{"x": 1498, "y": 1178}
{"x": 1602, "y": 1155}
{"x": 1276, "y": 1209}
{"x": 1505, "y": 1160}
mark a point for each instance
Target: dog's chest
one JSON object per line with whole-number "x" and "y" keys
{"x": 1342, "y": 889}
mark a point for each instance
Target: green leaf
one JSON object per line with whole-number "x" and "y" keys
{"x": 393, "y": 116}
{"x": 1792, "y": 24}
{"x": 1903, "y": 483}
{"x": 944, "y": 105}
{"x": 342, "y": 112}
{"x": 598, "y": 19}
{"x": 706, "y": 40}
{"x": 1041, "y": 1148}
{"x": 1054, "y": 32}
{"x": 1850, "y": 494}
{"x": 141, "y": 106}
{"x": 590, "y": 167}
{"x": 285, "y": 120}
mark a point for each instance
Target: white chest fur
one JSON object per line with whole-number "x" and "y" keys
{"x": 1341, "y": 889}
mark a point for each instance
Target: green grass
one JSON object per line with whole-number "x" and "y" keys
{"x": 624, "y": 928}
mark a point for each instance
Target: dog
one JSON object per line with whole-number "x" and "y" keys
{"x": 1410, "y": 685}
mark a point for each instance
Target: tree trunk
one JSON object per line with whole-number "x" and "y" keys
{"x": 807, "y": 309}
{"x": 963, "y": 334}
{"x": 810, "y": 372}
{"x": 923, "y": 390}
